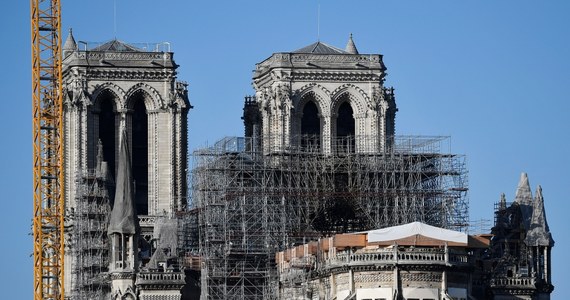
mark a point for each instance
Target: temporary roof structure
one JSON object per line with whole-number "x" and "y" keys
{"x": 417, "y": 233}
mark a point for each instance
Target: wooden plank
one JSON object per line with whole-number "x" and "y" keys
{"x": 300, "y": 251}
{"x": 349, "y": 240}
{"x": 313, "y": 246}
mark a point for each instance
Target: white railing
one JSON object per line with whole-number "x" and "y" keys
{"x": 397, "y": 257}
{"x": 159, "y": 276}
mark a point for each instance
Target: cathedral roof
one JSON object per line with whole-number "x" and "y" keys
{"x": 124, "y": 215}
{"x": 116, "y": 45}
{"x": 320, "y": 48}
{"x": 319, "y": 58}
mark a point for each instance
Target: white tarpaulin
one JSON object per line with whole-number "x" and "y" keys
{"x": 411, "y": 229}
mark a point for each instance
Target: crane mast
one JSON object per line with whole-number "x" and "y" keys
{"x": 48, "y": 208}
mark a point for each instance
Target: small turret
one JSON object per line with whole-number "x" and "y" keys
{"x": 539, "y": 233}
{"x": 350, "y": 47}
{"x": 524, "y": 198}
{"x": 69, "y": 45}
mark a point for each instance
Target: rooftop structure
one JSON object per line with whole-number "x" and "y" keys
{"x": 413, "y": 260}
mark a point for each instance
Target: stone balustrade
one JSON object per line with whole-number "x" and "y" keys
{"x": 160, "y": 276}
{"x": 528, "y": 282}
{"x": 434, "y": 256}
{"x": 147, "y": 220}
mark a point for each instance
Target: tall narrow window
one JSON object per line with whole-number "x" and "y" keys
{"x": 310, "y": 126}
{"x": 107, "y": 129}
{"x": 345, "y": 128}
{"x": 140, "y": 153}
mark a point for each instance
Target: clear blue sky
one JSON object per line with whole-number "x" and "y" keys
{"x": 494, "y": 75}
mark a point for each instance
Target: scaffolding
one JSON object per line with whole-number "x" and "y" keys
{"x": 90, "y": 248}
{"x": 249, "y": 204}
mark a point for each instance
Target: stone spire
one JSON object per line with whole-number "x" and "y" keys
{"x": 523, "y": 195}
{"x": 124, "y": 215}
{"x": 350, "y": 47}
{"x": 69, "y": 45}
{"x": 524, "y": 198}
{"x": 539, "y": 233}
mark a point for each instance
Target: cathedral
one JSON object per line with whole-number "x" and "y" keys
{"x": 319, "y": 161}
{"x": 125, "y": 127}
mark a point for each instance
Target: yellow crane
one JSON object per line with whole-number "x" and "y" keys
{"x": 48, "y": 221}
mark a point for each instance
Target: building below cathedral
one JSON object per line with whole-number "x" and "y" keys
{"x": 418, "y": 261}
{"x": 411, "y": 261}
{"x": 319, "y": 200}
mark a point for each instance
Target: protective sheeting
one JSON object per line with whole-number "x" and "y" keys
{"x": 420, "y": 293}
{"x": 124, "y": 215}
{"x": 166, "y": 232}
{"x": 416, "y": 228}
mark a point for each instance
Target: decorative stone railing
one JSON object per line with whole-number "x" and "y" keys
{"x": 147, "y": 221}
{"x": 398, "y": 257}
{"x": 123, "y": 55}
{"x": 528, "y": 282}
{"x": 145, "y": 277}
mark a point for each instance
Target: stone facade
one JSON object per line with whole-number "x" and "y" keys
{"x": 321, "y": 97}
{"x": 352, "y": 266}
{"x": 323, "y": 92}
{"x": 112, "y": 88}
{"x": 519, "y": 259}
{"x": 105, "y": 80}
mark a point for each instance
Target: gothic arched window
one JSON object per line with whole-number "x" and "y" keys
{"x": 139, "y": 135}
{"x": 107, "y": 132}
{"x": 345, "y": 128}
{"x": 310, "y": 125}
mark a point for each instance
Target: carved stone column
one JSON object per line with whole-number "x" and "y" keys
{"x": 361, "y": 133}
{"x": 328, "y": 132}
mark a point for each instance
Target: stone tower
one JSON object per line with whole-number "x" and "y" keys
{"x": 321, "y": 96}
{"x": 521, "y": 248}
{"x": 115, "y": 89}
{"x": 114, "y": 85}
